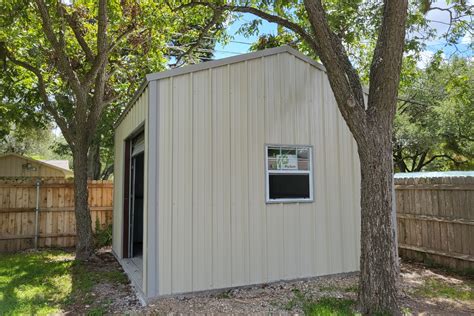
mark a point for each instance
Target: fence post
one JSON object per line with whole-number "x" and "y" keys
{"x": 38, "y": 182}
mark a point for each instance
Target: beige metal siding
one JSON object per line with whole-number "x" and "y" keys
{"x": 214, "y": 228}
{"x": 135, "y": 118}
{"x": 12, "y": 166}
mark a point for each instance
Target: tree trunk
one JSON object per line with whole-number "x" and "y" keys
{"x": 93, "y": 161}
{"x": 107, "y": 172}
{"x": 379, "y": 257}
{"x": 84, "y": 239}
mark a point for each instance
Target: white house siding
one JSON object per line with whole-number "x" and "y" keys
{"x": 214, "y": 228}
{"x": 134, "y": 119}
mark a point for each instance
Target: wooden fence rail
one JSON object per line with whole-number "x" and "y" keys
{"x": 56, "y": 225}
{"x": 435, "y": 218}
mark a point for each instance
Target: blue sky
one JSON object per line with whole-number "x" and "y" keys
{"x": 236, "y": 46}
{"x": 241, "y": 44}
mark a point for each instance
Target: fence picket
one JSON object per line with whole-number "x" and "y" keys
{"x": 57, "y": 226}
{"x": 437, "y": 223}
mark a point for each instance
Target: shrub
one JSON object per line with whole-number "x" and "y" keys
{"x": 102, "y": 235}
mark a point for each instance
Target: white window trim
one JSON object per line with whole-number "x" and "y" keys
{"x": 309, "y": 172}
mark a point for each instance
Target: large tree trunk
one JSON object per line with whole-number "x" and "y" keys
{"x": 379, "y": 257}
{"x": 84, "y": 239}
{"x": 93, "y": 161}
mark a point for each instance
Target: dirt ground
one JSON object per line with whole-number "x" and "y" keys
{"x": 423, "y": 291}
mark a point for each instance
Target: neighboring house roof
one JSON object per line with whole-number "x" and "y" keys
{"x": 214, "y": 64}
{"x": 66, "y": 172}
{"x": 64, "y": 164}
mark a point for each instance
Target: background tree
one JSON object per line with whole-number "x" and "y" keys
{"x": 80, "y": 57}
{"x": 340, "y": 36}
{"x": 19, "y": 103}
{"x": 35, "y": 142}
{"x": 433, "y": 125}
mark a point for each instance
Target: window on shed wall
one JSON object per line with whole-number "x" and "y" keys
{"x": 289, "y": 174}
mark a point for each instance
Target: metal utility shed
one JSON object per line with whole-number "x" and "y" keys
{"x": 248, "y": 174}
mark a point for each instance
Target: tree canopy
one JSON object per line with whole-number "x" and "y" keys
{"x": 83, "y": 59}
{"x": 433, "y": 126}
{"x": 147, "y": 36}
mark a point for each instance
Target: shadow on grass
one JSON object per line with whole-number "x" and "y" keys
{"x": 51, "y": 281}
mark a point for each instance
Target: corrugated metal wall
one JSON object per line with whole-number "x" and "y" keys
{"x": 214, "y": 228}
{"x": 135, "y": 118}
{"x": 12, "y": 166}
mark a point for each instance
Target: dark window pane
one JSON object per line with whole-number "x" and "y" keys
{"x": 273, "y": 152}
{"x": 289, "y": 186}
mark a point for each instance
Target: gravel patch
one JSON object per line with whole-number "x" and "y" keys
{"x": 287, "y": 297}
{"x": 281, "y": 297}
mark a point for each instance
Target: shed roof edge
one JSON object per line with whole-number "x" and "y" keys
{"x": 232, "y": 60}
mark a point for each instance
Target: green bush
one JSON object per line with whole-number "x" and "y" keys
{"x": 102, "y": 235}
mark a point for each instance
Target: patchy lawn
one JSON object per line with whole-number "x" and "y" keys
{"x": 50, "y": 282}
{"x": 437, "y": 290}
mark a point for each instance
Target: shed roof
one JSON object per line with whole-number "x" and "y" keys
{"x": 214, "y": 64}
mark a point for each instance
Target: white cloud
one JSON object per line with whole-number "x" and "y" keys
{"x": 467, "y": 39}
{"x": 425, "y": 58}
{"x": 439, "y": 21}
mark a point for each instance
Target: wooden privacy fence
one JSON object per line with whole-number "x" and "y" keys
{"x": 436, "y": 220}
{"x": 50, "y": 220}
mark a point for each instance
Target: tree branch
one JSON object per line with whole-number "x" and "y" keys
{"x": 122, "y": 36}
{"x": 257, "y": 12}
{"x": 100, "y": 60}
{"x": 421, "y": 161}
{"x": 387, "y": 60}
{"x": 76, "y": 28}
{"x": 341, "y": 74}
{"x": 439, "y": 156}
{"x": 217, "y": 14}
{"x": 64, "y": 65}
{"x": 102, "y": 28}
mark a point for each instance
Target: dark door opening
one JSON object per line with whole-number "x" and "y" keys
{"x": 136, "y": 225}
{"x": 133, "y": 197}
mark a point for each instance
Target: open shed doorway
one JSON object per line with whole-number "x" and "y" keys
{"x": 133, "y": 224}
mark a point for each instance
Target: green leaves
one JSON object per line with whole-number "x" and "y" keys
{"x": 437, "y": 119}
{"x": 145, "y": 36}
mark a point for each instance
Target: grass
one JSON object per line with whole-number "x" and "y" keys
{"x": 325, "y": 306}
{"x": 34, "y": 283}
{"x": 434, "y": 288}
{"x": 224, "y": 295}
{"x": 49, "y": 282}
{"x": 329, "y": 306}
